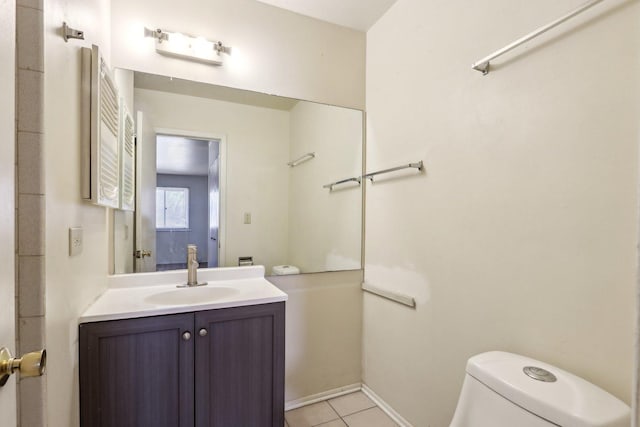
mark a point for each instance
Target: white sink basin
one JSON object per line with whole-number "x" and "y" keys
{"x": 194, "y": 295}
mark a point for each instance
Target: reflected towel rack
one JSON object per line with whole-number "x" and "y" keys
{"x": 301, "y": 159}
{"x": 419, "y": 165}
{"x": 343, "y": 181}
{"x": 483, "y": 65}
{"x": 390, "y": 295}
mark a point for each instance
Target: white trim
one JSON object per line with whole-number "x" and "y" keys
{"x": 395, "y": 416}
{"x": 222, "y": 141}
{"x": 222, "y": 219}
{"x": 319, "y": 397}
{"x": 8, "y": 195}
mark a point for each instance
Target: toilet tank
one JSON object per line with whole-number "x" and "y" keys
{"x": 498, "y": 393}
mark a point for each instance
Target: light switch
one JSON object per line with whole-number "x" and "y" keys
{"x": 247, "y": 217}
{"x": 75, "y": 241}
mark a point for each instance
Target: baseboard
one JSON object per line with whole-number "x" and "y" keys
{"x": 319, "y": 397}
{"x": 385, "y": 407}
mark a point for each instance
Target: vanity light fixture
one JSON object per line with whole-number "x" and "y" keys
{"x": 188, "y": 47}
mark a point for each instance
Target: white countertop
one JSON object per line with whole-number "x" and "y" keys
{"x": 137, "y": 295}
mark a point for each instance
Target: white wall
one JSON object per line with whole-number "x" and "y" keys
{"x": 324, "y": 226}
{"x": 7, "y": 195}
{"x": 521, "y": 235}
{"x": 257, "y": 142}
{"x": 274, "y": 51}
{"x": 72, "y": 282}
{"x": 323, "y": 332}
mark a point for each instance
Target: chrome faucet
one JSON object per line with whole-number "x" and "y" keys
{"x": 192, "y": 265}
{"x": 192, "y": 268}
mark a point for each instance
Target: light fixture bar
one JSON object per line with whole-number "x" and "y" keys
{"x": 157, "y": 34}
{"x": 188, "y": 47}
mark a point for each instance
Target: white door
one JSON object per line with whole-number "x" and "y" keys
{"x": 8, "y": 406}
{"x": 145, "y": 227}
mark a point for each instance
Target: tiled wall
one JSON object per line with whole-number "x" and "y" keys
{"x": 30, "y": 245}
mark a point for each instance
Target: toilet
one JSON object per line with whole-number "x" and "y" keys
{"x": 507, "y": 390}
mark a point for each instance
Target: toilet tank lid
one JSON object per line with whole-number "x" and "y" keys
{"x": 569, "y": 401}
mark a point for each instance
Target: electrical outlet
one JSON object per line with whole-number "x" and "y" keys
{"x": 75, "y": 241}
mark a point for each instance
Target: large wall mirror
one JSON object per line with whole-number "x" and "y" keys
{"x": 244, "y": 176}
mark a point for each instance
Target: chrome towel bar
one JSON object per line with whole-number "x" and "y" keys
{"x": 390, "y": 295}
{"x": 419, "y": 165}
{"x": 344, "y": 181}
{"x": 301, "y": 159}
{"x": 483, "y": 65}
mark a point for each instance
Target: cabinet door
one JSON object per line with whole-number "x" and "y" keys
{"x": 137, "y": 372}
{"x": 240, "y": 367}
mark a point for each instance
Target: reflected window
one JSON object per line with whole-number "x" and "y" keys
{"x": 172, "y": 208}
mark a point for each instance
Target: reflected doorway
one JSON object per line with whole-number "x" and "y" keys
{"x": 187, "y": 200}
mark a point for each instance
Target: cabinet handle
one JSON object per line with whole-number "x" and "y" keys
{"x": 186, "y": 336}
{"x": 202, "y": 332}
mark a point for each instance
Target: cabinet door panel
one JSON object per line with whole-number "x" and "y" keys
{"x": 137, "y": 372}
{"x": 240, "y": 367}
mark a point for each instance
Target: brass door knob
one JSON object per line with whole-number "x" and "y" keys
{"x": 30, "y": 365}
{"x": 142, "y": 253}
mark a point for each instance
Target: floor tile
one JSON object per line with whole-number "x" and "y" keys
{"x": 373, "y": 417}
{"x": 334, "y": 423}
{"x": 351, "y": 403}
{"x": 311, "y": 415}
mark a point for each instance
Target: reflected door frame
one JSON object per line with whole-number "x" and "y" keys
{"x": 222, "y": 174}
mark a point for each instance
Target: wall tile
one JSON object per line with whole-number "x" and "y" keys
{"x": 29, "y": 42}
{"x": 30, "y": 224}
{"x": 34, "y": 4}
{"x": 31, "y": 291}
{"x": 31, "y": 401}
{"x": 30, "y": 163}
{"x": 31, "y": 334}
{"x": 30, "y": 100}
{"x": 30, "y": 208}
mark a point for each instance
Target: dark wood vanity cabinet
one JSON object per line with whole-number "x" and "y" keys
{"x": 218, "y": 368}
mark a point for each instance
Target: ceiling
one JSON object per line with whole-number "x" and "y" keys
{"x": 182, "y": 156}
{"x": 356, "y": 14}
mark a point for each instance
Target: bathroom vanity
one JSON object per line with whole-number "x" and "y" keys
{"x": 213, "y": 358}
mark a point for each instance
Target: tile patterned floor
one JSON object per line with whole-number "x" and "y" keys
{"x": 350, "y": 410}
